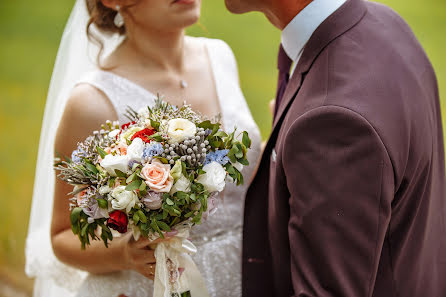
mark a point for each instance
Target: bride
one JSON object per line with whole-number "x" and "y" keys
{"x": 141, "y": 50}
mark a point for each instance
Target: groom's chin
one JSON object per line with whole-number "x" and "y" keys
{"x": 235, "y": 6}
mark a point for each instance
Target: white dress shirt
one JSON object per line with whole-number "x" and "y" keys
{"x": 297, "y": 33}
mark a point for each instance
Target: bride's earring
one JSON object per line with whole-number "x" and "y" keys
{"x": 119, "y": 20}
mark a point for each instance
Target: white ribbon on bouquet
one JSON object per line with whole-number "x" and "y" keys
{"x": 171, "y": 256}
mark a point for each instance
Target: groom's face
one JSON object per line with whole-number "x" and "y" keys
{"x": 243, "y": 6}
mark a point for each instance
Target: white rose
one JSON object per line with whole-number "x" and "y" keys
{"x": 180, "y": 129}
{"x": 182, "y": 184}
{"x": 110, "y": 163}
{"x": 114, "y": 133}
{"x": 104, "y": 190}
{"x": 123, "y": 199}
{"x": 214, "y": 178}
{"x": 135, "y": 150}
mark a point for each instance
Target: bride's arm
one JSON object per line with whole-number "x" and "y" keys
{"x": 86, "y": 110}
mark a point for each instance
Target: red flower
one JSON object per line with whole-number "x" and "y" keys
{"x": 118, "y": 220}
{"x": 125, "y": 126}
{"x": 144, "y": 134}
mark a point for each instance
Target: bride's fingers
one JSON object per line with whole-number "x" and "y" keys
{"x": 148, "y": 271}
{"x": 145, "y": 242}
{"x": 145, "y": 256}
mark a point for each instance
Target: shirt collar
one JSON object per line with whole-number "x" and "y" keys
{"x": 297, "y": 33}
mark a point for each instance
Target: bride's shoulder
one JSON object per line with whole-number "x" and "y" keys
{"x": 214, "y": 46}
{"x": 87, "y": 104}
{"x": 219, "y": 52}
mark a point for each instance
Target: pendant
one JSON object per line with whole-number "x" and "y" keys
{"x": 183, "y": 84}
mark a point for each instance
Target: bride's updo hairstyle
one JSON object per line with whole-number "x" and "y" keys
{"x": 102, "y": 18}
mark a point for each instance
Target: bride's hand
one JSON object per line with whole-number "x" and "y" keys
{"x": 139, "y": 256}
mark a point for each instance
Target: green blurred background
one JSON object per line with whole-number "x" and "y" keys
{"x": 29, "y": 36}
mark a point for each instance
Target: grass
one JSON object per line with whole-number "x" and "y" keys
{"x": 29, "y": 37}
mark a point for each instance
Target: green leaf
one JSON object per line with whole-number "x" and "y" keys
{"x": 246, "y": 140}
{"x": 101, "y": 152}
{"x": 163, "y": 226}
{"x": 244, "y": 162}
{"x": 84, "y": 230}
{"x": 91, "y": 168}
{"x": 102, "y": 203}
{"x": 239, "y": 153}
{"x": 75, "y": 215}
{"x": 182, "y": 195}
{"x": 193, "y": 197}
{"x": 157, "y": 137}
{"x": 231, "y": 154}
{"x": 206, "y": 125}
{"x": 155, "y": 124}
{"x": 142, "y": 216}
{"x": 136, "y": 218}
{"x": 220, "y": 134}
{"x": 169, "y": 202}
{"x": 133, "y": 185}
{"x": 131, "y": 178}
{"x": 163, "y": 160}
{"x": 119, "y": 173}
{"x": 142, "y": 187}
{"x": 189, "y": 214}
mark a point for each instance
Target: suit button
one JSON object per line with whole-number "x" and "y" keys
{"x": 255, "y": 260}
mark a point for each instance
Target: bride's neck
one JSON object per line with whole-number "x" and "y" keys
{"x": 160, "y": 49}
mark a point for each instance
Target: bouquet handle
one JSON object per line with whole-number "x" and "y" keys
{"x": 169, "y": 282}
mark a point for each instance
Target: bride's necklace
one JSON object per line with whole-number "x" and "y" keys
{"x": 183, "y": 84}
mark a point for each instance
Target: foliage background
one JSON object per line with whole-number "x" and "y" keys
{"x": 29, "y": 36}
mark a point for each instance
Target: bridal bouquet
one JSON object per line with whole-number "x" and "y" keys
{"x": 160, "y": 172}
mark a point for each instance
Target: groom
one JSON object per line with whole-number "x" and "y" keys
{"x": 350, "y": 197}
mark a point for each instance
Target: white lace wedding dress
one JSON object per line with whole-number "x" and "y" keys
{"x": 219, "y": 238}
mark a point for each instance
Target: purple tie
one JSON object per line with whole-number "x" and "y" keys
{"x": 283, "y": 64}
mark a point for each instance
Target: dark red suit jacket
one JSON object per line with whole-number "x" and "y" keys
{"x": 349, "y": 199}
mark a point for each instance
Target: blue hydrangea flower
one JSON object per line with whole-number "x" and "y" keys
{"x": 76, "y": 155}
{"x": 152, "y": 150}
{"x": 220, "y": 156}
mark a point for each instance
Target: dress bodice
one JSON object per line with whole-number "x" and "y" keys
{"x": 219, "y": 237}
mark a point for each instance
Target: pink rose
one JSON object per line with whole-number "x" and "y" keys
{"x": 157, "y": 176}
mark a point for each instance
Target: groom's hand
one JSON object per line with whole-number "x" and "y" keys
{"x": 341, "y": 184}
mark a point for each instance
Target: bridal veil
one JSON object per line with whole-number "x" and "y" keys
{"x": 75, "y": 57}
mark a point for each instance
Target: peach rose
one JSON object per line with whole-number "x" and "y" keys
{"x": 157, "y": 176}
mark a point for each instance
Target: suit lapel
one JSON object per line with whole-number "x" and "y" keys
{"x": 335, "y": 25}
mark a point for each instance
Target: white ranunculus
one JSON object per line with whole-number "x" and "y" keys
{"x": 123, "y": 199}
{"x": 180, "y": 129}
{"x": 214, "y": 178}
{"x": 110, "y": 163}
{"x": 135, "y": 150}
{"x": 182, "y": 184}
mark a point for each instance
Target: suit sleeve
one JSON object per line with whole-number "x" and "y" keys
{"x": 340, "y": 179}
